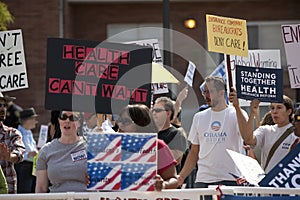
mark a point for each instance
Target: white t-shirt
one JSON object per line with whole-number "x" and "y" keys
{"x": 266, "y": 136}
{"x": 215, "y": 132}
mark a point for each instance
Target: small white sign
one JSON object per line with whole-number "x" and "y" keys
{"x": 249, "y": 167}
{"x": 290, "y": 36}
{"x": 43, "y": 136}
{"x": 189, "y": 76}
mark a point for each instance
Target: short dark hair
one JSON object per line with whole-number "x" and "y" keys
{"x": 141, "y": 115}
{"x": 169, "y": 105}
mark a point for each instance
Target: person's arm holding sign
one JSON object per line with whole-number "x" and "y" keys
{"x": 245, "y": 126}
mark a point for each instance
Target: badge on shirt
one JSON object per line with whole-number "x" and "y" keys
{"x": 79, "y": 155}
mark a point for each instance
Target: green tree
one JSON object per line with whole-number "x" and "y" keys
{"x": 5, "y": 17}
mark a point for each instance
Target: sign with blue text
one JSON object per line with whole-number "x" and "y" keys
{"x": 264, "y": 84}
{"x": 286, "y": 173}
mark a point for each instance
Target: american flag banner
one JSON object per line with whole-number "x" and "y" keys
{"x": 104, "y": 147}
{"x": 139, "y": 148}
{"x": 126, "y": 161}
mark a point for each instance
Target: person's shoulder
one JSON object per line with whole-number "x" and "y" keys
{"x": 50, "y": 144}
{"x": 11, "y": 129}
{"x": 161, "y": 144}
{"x": 203, "y": 107}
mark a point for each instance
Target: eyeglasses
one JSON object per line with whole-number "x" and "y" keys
{"x": 124, "y": 121}
{"x": 296, "y": 118}
{"x": 158, "y": 110}
{"x": 4, "y": 105}
{"x": 72, "y": 118}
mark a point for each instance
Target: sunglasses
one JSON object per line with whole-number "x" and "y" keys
{"x": 124, "y": 121}
{"x": 296, "y": 118}
{"x": 158, "y": 110}
{"x": 72, "y": 118}
{"x": 4, "y": 105}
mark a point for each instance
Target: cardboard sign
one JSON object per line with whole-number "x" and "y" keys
{"x": 259, "y": 83}
{"x": 96, "y": 77}
{"x": 290, "y": 35}
{"x": 13, "y": 73}
{"x": 286, "y": 173}
{"x": 248, "y": 167}
{"x": 227, "y": 35}
{"x": 126, "y": 161}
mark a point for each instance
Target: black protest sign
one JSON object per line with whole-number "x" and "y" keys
{"x": 96, "y": 77}
{"x": 264, "y": 84}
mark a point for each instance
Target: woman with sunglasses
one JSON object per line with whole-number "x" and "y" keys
{"x": 137, "y": 118}
{"x": 63, "y": 161}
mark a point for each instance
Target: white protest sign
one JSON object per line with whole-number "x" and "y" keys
{"x": 13, "y": 74}
{"x": 158, "y": 88}
{"x": 248, "y": 167}
{"x": 186, "y": 194}
{"x": 290, "y": 35}
{"x": 189, "y": 76}
{"x": 43, "y": 136}
{"x": 256, "y": 58}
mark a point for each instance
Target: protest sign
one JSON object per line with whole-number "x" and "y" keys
{"x": 190, "y": 194}
{"x": 126, "y": 161}
{"x": 286, "y": 173}
{"x": 90, "y": 76}
{"x": 291, "y": 40}
{"x": 266, "y": 58}
{"x": 13, "y": 73}
{"x": 227, "y": 35}
{"x": 249, "y": 167}
{"x": 259, "y": 83}
{"x": 189, "y": 76}
{"x": 42, "y": 136}
{"x": 157, "y": 88}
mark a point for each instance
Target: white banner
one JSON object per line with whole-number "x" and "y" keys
{"x": 164, "y": 195}
{"x": 13, "y": 73}
{"x": 290, "y": 35}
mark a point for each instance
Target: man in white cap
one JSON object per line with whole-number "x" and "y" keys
{"x": 11, "y": 147}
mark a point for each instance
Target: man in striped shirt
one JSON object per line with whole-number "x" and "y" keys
{"x": 11, "y": 147}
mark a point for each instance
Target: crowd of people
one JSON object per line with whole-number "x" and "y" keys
{"x": 61, "y": 164}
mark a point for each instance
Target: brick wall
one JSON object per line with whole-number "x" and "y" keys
{"x": 39, "y": 19}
